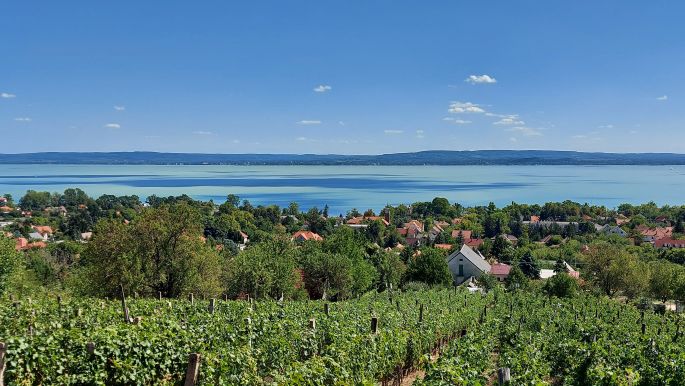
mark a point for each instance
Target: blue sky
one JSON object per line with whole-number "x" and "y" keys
{"x": 342, "y": 76}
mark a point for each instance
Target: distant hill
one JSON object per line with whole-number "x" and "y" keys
{"x": 431, "y": 157}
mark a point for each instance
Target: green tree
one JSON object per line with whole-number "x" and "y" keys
{"x": 529, "y": 266}
{"x": 561, "y": 285}
{"x": 9, "y": 261}
{"x": 161, "y": 250}
{"x": 664, "y": 279}
{"x": 516, "y": 280}
{"x": 430, "y": 267}
{"x": 611, "y": 268}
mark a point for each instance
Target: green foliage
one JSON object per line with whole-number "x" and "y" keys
{"x": 430, "y": 267}
{"x": 9, "y": 261}
{"x": 561, "y": 285}
{"x": 160, "y": 251}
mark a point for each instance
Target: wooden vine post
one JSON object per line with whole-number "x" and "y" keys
{"x": 503, "y": 375}
{"x": 211, "y": 305}
{"x": 421, "y": 313}
{"x": 191, "y": 298}
{"x": 374, "y": 325}
{"x": 90, "y": 348}
{"x": 3, "y": 354}
{"x": 123, "y": 303}
{"x": 193, "y": 372}
{"x": 326, "y": 309}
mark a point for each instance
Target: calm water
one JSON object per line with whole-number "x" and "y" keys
{"x": 362, "y": 187}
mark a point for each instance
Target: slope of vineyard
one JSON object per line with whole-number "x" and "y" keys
{"x": 542, "y": 340}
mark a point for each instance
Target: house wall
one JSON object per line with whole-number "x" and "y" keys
{"x": 469, "y": 269}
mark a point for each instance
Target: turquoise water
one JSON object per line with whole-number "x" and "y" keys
{"x": 362, "y": 187}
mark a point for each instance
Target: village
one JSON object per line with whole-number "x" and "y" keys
{"x": 476, "y": 243}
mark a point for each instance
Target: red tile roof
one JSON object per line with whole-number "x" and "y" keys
{"x": 446, "y": 247}
{"x": 466, "y": 235}
{"x": 474, "y": 243}
{"x": 499, "y": 269}
{"x": 534, "y": 219}
{"x": 668, "y": 242}
{"x": 306, "y": 235}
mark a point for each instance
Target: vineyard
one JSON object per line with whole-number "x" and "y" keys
{"x": 457, "y": 337}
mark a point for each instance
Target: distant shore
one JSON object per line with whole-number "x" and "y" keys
{"x": 431, "y": 157}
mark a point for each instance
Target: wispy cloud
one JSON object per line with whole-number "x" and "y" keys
{"x": 456, "y": 121}
{"x": 113, "y": 126}
{"x": 236, "y": 141}
{"x": 465, "y": 107}
{"x": 513, "y": 139}
{"x": 119, "y": 108}
{"x": 7, "y": 95}
{"x": 480, "y": 79}
{"x": 526, "y": 131}
{"x": 23, "y": 119}
{"x": 579, "y": 136}
{"x": 201, "y": 132}
{"x": 419, "y": 134}
{"x": 510, "y": 120}
{"x": 341, "y": 123}
{"x": 322, "y": 88}
{"x": 393, "y": 131}
{"x": 662, "y": 98}
{"x": 609, "y": 126}
{"x": 309, "y": 122}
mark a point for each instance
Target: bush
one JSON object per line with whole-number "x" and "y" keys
{"x": 561, "y": 285}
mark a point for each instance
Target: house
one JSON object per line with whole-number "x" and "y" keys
{"x": 474, "y": 243}
{"x": 3, "y": 200}
{"x": 465, "y": 235}
{"x": 586, "y": 218}
{"x": 663, "y": 219}
{"x": 613, "y": 230}
{"x": 43, "y": 229}
{"x": 5, "y": 209}
{"x": 85, "y": 236}
{"x": 500, "y": 271}
{"x": 306, "y": 236}
{"x": 38, "y": 236}
{"x": 653, "y": 234}
{"x": 21, "y": 243}
{"x": 466, "y": 263}
{"x": 413, "y": 232}
{"x": 445, "y": 247}
{"x": 511, "y": 238}
{"x": 534, "y": 219}
{"x": 547, "y": 273}
{"x": 668, "y": 242}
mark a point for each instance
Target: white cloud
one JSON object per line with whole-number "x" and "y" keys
{"x": 393, "y": 131}
{"x": 526, "y": 131}
{"x": 23, "y": 119}
{"x": 200, "y": 132}
{"x": 509, "y": 120}
{"x": 513, "y": 139}
{"x": 662, "y": 98}
{"x": 7, "y": 95}
{"x": 322, "y": 88}
{"x": 309, "y": 122}
{"x": 480, "y": 79}
{"x": 464, "y": 107}
{"x": 419, "y": 134}
{"x": 456, "y": 121}
{"x": 341, "y": 123}
{"x": 119, "y": 108}
{"x": 580, "y": 136}
{"x": 113, "y": 126}
{"x": 605, "y": 126}
{"x": 236, "y": 141}
{"x": 633, "y": 131}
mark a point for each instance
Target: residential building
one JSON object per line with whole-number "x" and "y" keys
{"x": 466, "y": 263}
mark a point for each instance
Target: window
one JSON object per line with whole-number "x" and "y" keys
{"x": 461, "y": 270}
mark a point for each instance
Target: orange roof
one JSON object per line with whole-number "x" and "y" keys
{"x": 42, "y": 229}
{"x": 306, "y": 235}
{"x": 5, "y": 209}
{"x": 466, "y": 235}
{"x": 21, "y": 243}
{"x": 446, "y": 247}
{"x": 474, "y": 243}
{"x": 534, "y": 219}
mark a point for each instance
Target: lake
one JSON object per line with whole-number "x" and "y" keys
{"x": 361, "y": 187}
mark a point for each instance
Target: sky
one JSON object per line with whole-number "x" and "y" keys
{"x": 346, "y": 77}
